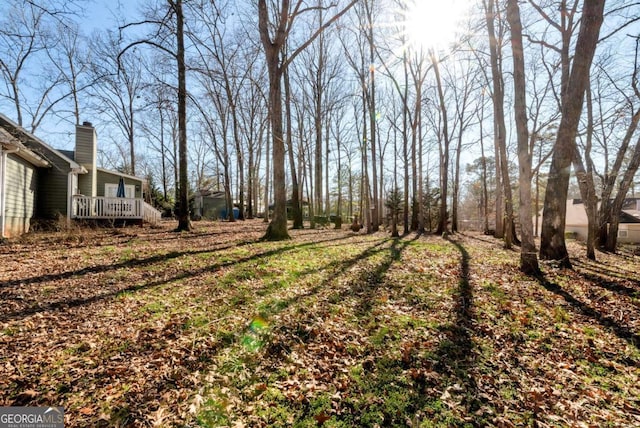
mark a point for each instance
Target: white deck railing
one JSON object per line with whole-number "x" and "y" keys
{"x": 100, "y": 207}
{"x": 150, "y": 214}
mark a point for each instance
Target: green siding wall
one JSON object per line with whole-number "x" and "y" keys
{"x": 21, "y": 193}
{"x": 52, "y": 195}
{"x": 105, "y": 177}
{"x": 53, "y": 182}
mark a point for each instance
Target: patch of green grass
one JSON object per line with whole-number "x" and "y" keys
{"x": 589, "y": 331}
{"x": 154, "y": 308}
{"x": 212, "y": 414}
{"x": 107, "y": 250}
{"x": 380, "y": 336}
{"x": 10, "y": 331}
{"x": 279, "y": 412}
{"x": 196, "y": 322}
{"x": 124, "y": 294}
{"x": 126, "y": 255}
{"x": 270, "y": 307}
{"x": 560, "y": 315}
{"x": 78, "y": 349}
{"x": 493, "y": 289}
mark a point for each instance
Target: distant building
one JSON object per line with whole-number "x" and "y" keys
{"x": 628, "y": 230}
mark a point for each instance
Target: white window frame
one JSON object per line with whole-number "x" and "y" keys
{"x": 111, "y": 190}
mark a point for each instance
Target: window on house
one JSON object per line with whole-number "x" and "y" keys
{"x": 622, "y": 233}
{"x": 111, "y": 190}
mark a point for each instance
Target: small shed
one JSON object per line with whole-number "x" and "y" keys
{"x": 209, "y": 204}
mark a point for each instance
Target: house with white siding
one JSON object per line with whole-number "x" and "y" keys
{"x": 628, "y": 228}
{"x": 40, "y": 182}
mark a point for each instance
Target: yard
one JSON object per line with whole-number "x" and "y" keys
{"x": 146, "y": 327}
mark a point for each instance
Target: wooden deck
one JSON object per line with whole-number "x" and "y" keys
{"x": 103, "y": 208}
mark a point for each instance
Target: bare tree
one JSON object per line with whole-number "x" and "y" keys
{"x": 118, "y": 90}
{"x": 72, "y": 60}
{"x": 445, "y": 142}
{"x": 528, "y": 256}
{"x": 226, "y": 53}
{"x": 32, "y": 85}
{"x": 552, "y": 243}
{"x": 503, "y": 199}
{"x": 273, "y": 34}
{"x": 172, "y": 23}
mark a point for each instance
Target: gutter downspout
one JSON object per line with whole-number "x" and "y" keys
{"x": 3, "y": 187}
{"x": 69, "y": 196}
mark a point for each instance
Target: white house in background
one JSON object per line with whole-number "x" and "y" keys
{"x": 38, "y": 181}
{"x": 628, "y": 230}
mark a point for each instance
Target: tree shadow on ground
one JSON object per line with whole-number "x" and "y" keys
{"x": 355, "y": 288}
{"x": 136, "y": 404}
{"x": 100, "y": 294}
{"x": 365, "y": 285}
{"x": 623, "y": 332}
{"x": 596, "y": 273}
{"x": 455, "y": 356}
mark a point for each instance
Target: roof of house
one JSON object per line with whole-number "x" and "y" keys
{"x": 11, "y": 143}
{"x": 630, "y": 216}
{"x": 577, "y": 215}
{"x": 208, "y": 193}
{"x": 36, "y": 145}
{"x": 121, "y": 174}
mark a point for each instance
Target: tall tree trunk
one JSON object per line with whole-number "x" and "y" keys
{"x": 277, "y": 229}
{"x": 485, "y": 190}
{"x": 444, "y": 151}
{"x": 528, "y": 257}
{"x": 414, "y": 167}
{"x": 131, "y": 125}
{"x": 319, "y": 89}
{"x": 296, "y": 207}
{"x": 586, "y": 184}
{"x": 267, "y": 174}
{"x": 405, "y": 143}
{"x": 250, "y": 183}
{"x": 184, "y": 223}
{"x": 339, "y": 206}
{"x": 456, "y": 184}
{"x": 420, "y": 179}
{"x": 365, "y": 196}
{"x": 327, "y": 195}
{"x": 375, "y": 223}
{"x": 495, "y": 52}
{"x": 552, "y": 243}
{"x": 238, "y": 146}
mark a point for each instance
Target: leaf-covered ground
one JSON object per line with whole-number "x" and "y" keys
{"x": 146, "y": 327}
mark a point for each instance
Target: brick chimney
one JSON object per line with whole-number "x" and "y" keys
{"x": 86, "y": 155}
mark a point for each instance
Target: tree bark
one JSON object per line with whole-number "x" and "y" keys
{"x": 184, "y": 222}
{"x": 587, "y": 186}
{"x": 375, "y": 223}
{"x": 444, "y": 151}
{"x": 552, "y": 242}
{"x": 277, "y": 229}
{"x": 296, "y": 208}
{"x": 498, "y": 112}
{"x": 528, "y": 256}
